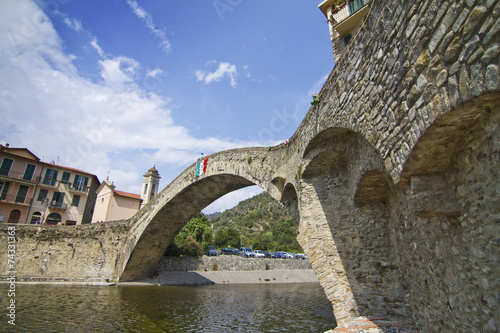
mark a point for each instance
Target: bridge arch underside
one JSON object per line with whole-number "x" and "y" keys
{"x": 344, "y": 222}
{"x": 176, "y": 212}
{"x": 445, "y": 215}
{"x": 426, "y": 247}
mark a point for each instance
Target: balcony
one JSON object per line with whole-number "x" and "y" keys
{"x": 58, "y": 205}
{"x": 18, "y": 177}
{"x": 15, "y": 199}
{"x": 81, "y": 189}
{"x": 346, "y": 15}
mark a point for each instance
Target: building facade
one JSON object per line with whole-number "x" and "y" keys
{"x": 35, "y": 192}
{"x": 343, "y": 17}
{"x": 114, "y": 205}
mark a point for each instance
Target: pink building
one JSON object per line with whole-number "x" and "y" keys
{"x": 32, "y": 191}
{"x": 114, "y": 205}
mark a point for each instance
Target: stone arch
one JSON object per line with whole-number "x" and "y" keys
{"x": 161, "y": 221}
{"x": 345, "y": 194}
{"x": 290, "y": 201}
{"x": 373, "y": 188}
{"x": 448, "y": 195}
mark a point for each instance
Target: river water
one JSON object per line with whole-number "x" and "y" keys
{"x": 213, "y": 308}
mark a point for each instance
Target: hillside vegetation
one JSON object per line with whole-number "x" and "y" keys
{"x": 259, "y": 222}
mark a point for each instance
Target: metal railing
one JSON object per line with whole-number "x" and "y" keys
{"x": 58, "y": 205}
{"x": 14, "y": 175}
{"x": 14, "y": 198}
{"x": 347, "y": 10}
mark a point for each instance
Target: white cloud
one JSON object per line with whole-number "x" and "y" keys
{"x": 97, "y": 47}
{"x": 154, "y": 72}
{"x": 73, "y": 24}
{"x": 116, "y": 125}
{"x": 225, "y": 70}
{"x": 118, "y": 70}
{"x": 160, "y": 33}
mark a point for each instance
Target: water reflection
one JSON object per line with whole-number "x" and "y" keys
{"x": 215, "y": 308}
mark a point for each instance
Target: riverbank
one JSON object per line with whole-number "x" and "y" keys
{"x": 177, "y": 278}
{"x": 204, "y": 270}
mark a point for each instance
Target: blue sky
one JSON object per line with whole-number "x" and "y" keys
{"x": 117, "y": 86}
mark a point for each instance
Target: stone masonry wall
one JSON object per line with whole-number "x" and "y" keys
{"x": 229, "y": 263}
{"x": 86, "y": 253}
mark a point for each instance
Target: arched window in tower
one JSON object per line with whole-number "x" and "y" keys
{"x": 153, "y": 190}
{"x": 145, "y": 188}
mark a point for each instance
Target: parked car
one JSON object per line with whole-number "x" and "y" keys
{"x": 301, "y": 256}
{"x": 279, "y": 255}
{"x": 229, "y": 251}
{"x": 247, "y": 252}
{"x": 267, "y": 254}
{"x": 290, "y": 255}
{"x": 259, "y": 254}
{"x": 212, "y": 251}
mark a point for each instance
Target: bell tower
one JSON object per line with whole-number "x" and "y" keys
{"x": 150, "y": 185}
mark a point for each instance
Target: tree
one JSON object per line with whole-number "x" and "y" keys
{"x": 228, "y": 237}
{"x": 188, "y": 241}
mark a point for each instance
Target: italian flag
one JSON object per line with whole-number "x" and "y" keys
{"x": 201, "y": 167}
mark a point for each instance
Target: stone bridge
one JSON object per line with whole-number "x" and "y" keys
{"x": 393, "y": 177}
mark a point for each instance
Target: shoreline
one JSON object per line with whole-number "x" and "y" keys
{"x": 179, "y": 278}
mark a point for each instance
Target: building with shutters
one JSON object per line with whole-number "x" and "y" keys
{"x": 33, "y": 191}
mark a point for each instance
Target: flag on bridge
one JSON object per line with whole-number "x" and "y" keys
{"x": 201, "y": 167}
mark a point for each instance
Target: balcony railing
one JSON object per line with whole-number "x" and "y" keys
{"x": 58, "y": 205}
{"x": 78, "y": 188}
{"x": 13, "y": 198}
{"x": 348, "y": 9}
{"x": 14, "y": 175}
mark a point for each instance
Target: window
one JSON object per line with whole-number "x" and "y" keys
{"x": 145, "y": 188}
{"x": 80, "y": 183}
{"x": 57, "y": 199}
{"x": 347, "y": 39}
{"x": 14, "y": 216}
{"x": 65, "y": 177}
{"x": 5, "y": 167}
{"x": 53, "y": 218}
{"x": 4, "y": 188}
{"x": 28, "y": 172}
{"x": 42, "y": 194}
{"x": 355, "y": 5}
{"x": 50, "y": 177}
{"x": 76, "y": 201}
{"x": 21, "y": 193}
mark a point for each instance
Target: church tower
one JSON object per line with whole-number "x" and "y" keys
{"x": 150, "y": 185}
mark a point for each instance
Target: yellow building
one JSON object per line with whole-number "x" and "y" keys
{"x": 343, "y": 17}
{"x": 32, "y": 191}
